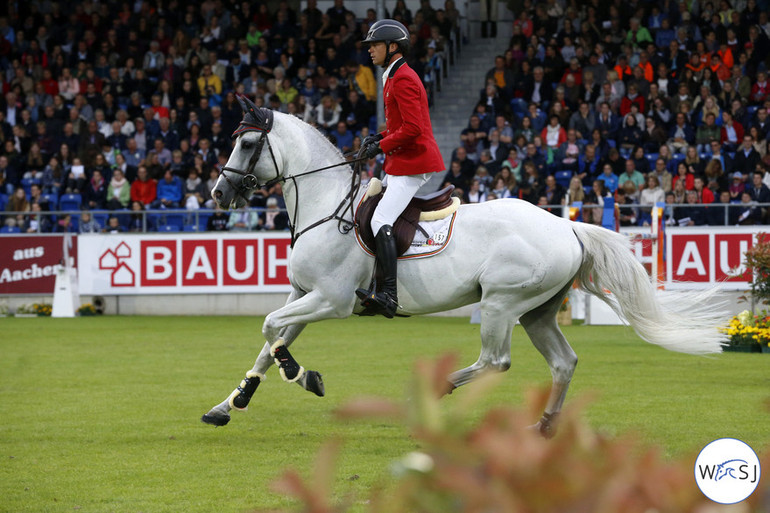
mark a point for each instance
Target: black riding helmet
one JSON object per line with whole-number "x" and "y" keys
{"x": 389, "y": 31}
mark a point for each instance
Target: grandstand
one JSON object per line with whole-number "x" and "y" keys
{"x": 107, "y": 87}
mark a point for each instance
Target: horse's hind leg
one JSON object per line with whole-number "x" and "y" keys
{"x": 544, "y": 331}
{"x": 496, "y": 328}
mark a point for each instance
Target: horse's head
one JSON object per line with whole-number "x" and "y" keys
{"x": 247, "y": 168}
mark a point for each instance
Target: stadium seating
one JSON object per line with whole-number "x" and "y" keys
{"x": 70, "y": 202}
{"x": 52, "y": 199}
{"x": 26, "y": 184}
{"x": 3, "y": 201}
{"x": 563, "y": 178}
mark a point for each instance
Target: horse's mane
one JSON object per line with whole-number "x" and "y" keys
{"x": 319, "y": 144}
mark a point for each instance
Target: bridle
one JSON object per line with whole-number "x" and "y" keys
{"x": 250, "y": 181}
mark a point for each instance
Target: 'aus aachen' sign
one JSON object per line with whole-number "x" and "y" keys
{"x": 184, "y": 263}
{"x": 28, "y": 264}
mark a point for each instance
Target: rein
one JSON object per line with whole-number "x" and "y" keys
{"x": 250, "y": 182}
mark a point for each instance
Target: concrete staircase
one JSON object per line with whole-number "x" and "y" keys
{"x": 459, "y": 93}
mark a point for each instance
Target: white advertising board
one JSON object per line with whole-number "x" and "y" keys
{"x": 183, "y": 263}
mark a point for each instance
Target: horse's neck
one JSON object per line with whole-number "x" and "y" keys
{"x": 314, "y": 196}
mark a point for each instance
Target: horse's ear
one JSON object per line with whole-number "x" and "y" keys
{"x": 255, "y": 116}
{"x": 244, "y": 107}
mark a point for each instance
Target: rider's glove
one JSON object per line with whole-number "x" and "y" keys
{"x": 371, "y": 150}
{"x": 371, "y": 138}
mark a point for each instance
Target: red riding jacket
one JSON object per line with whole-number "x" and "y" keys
{"x": 408, "y": 142}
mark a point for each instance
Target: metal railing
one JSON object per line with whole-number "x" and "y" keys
{"x": 153, "y": 220}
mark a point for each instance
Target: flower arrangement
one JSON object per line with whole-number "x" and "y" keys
{"x": 86, "y": 310}
{"x": 749, "y": 330}
{"x": 4, "y": 310}
{"x": 25, "y": 310}
{"x": 42, "y": 309}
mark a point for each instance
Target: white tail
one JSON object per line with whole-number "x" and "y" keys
{"x": 688, "y": 322}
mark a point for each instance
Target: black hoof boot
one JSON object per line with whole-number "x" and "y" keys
{"x": 216, "y": 420}
{"x": 314, "y": 383}
{"x": 290, "y": 370}
{"x": 242, "y": 395}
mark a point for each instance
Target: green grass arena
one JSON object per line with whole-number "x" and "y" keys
{"x": 101, "y": 414}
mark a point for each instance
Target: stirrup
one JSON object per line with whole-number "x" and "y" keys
{"x": 379, "y": 303}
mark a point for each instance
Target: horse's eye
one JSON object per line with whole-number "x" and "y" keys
{"x": 247, "y": 145}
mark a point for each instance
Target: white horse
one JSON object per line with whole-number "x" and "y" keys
{"x": 516, "y": 259}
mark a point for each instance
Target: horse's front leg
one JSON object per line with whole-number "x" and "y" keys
{"x": 313, "y": 307}
{"x": 279, "y": 337}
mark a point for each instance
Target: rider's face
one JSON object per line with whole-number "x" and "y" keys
{"x": 377, "y": 52}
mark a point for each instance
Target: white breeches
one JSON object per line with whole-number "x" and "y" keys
{"x": 400, "y": 191}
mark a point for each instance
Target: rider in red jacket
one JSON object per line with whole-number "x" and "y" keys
{"x": 411, "y": 152}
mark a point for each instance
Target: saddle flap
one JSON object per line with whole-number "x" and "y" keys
{"x": 404, "y": 228}
{"x": 407, "y": 223}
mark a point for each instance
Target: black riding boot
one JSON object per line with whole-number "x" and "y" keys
{"x": 384, "y": 302}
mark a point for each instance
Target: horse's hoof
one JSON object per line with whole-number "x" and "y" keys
{"x": 216, "y": 420}
{"x": 546, "y": 426}
{"x": 315, "y": 383}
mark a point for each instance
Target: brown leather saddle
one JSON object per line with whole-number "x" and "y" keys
{"x": 408, "y": 222}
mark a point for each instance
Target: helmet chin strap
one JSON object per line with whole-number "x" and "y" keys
{"x": 389, "y": 55}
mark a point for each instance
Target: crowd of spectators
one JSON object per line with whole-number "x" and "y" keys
{"x": 129, "y": 106}
{"x": 641, "y": 101}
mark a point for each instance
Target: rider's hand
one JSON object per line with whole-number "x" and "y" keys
{"x": 371, "y": 150}
{"x": 370, "y": 146}
{"x": 371, "y": 138}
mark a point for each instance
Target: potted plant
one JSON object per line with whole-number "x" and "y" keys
{"x": 86, "y": 310}
{"x": 25, "y": 311}
{"x": 749, "y": 333}
{"x": 42, "y": 309}
{"x": 758, "y": 267}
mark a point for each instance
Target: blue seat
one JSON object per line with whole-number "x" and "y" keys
{"x": 70, "y": 202}
{"x": 563, "y": 178}
{"x": 53, "y": 201}
{"x": 10, "y": 229}
{"x": 26, "y": 184}
{"x": 192, "y": 228}
{"x": 100, "y": 218}
{"x": 3, "y": 201}
{"x": 175, "y": 219}
{"x": 170, "y": 228}
{"x": 651, "y": 157}
{"x": 203, "y": 221}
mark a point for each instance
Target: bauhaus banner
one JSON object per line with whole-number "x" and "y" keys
{"x": 183, "y": 263}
